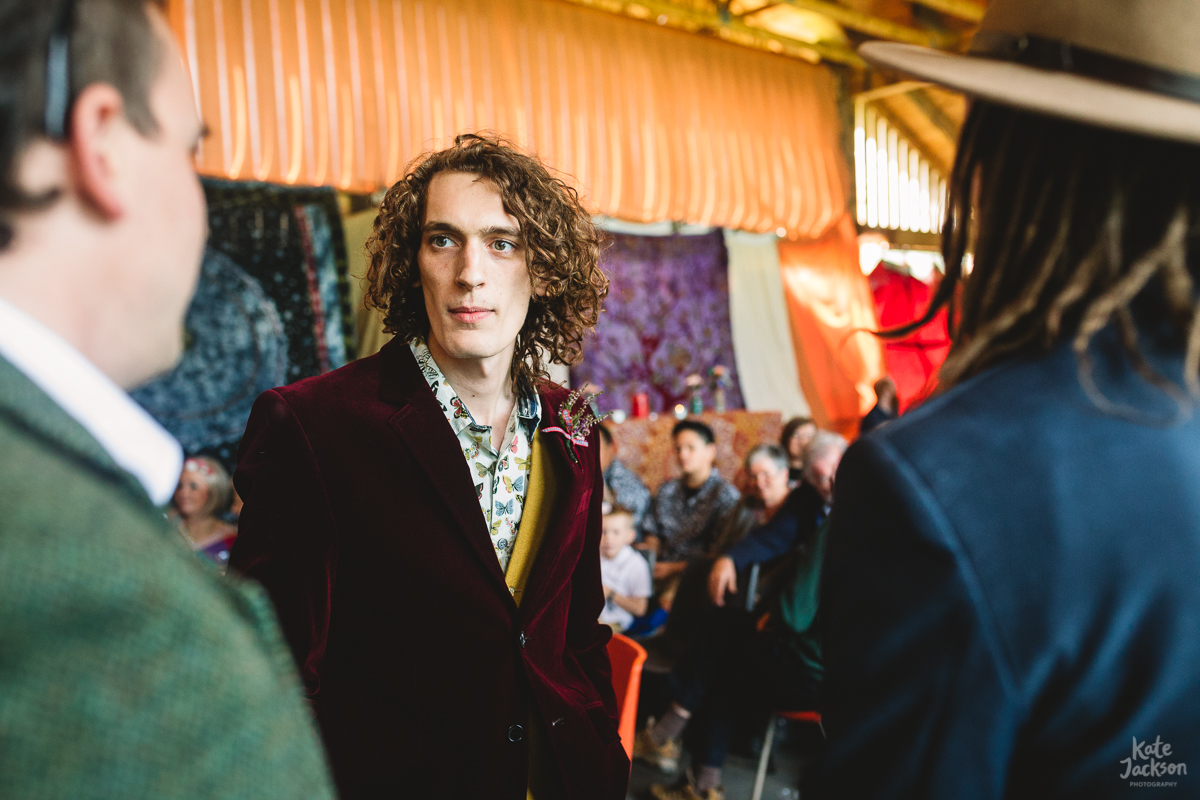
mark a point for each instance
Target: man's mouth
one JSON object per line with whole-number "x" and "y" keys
{"x": 470, "y": 314}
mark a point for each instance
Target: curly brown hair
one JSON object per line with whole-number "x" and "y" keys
{"x": 561, "y": 242}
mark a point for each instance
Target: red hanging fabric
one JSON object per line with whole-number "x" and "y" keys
{"x": 913, "y": 362}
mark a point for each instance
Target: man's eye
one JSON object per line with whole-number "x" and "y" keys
{"x": 440, "y": 241}
{"x": 504, "y": 246}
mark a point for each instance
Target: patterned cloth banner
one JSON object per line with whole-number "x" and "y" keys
{"x": 271, "y": 308}
{"x": 666, "y": 317}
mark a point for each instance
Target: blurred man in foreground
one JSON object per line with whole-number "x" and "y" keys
{"x": 1011, "y": 597}
{"x": 128, "y": 668}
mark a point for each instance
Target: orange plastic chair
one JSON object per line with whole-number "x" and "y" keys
{"x": 627, "y": 657}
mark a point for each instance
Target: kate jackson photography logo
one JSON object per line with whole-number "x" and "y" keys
{"x": 1149, "y": 760}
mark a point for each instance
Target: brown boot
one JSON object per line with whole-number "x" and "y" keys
{"x": 685, "y": 790}
{"x": 665, "y": 758}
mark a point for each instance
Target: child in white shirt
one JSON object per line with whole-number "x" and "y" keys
{"x": 624, "y": 574}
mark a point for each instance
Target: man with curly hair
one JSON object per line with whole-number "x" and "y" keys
{"x": 427, "y": 520}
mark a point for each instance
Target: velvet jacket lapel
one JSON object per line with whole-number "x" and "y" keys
{"x": 571, "y": 479}
{"x": 421, "y": 425}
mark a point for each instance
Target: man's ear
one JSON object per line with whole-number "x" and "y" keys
{"x": 97, "y": 119}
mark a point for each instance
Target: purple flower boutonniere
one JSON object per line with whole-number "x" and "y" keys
{"x": 576, "y": 420}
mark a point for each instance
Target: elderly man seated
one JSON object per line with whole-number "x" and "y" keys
{"x": 738, "y": 661}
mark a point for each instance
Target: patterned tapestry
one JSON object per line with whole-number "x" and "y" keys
{"x": 666, "y": 317}
{"x": 271, "y": 308}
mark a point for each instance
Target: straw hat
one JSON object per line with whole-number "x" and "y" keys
{"x": 1132, "y": 65}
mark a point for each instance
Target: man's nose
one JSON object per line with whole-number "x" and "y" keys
{"x": 471, "y": 271}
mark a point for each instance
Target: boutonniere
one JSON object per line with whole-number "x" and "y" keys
{"x": 576, "y": 420}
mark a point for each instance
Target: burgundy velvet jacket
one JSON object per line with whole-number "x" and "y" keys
{"x": 362, "y": 522}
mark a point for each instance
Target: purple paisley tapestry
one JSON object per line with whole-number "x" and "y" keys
{"x": 666, "y": 317}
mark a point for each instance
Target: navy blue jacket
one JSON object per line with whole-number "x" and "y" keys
{"x": 1011, "y": 594}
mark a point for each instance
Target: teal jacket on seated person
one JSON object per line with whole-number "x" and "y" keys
{"x": 128, "y": 667}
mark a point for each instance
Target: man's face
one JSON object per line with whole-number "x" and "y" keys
{"x": 695, "y": 456}
{"x": 822, "y": 473}
{"x": 616, "y": 531}
{"x": 473, "y": 269}
{"x": 165, "y": 224}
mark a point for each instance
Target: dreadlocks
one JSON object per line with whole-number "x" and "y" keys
{"x": 1071, "y": 228}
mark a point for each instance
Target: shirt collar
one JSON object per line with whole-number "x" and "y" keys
{"x": 134, "y": 440}
{"x": 712, "y": 478}
{"x": 529, "y": 406}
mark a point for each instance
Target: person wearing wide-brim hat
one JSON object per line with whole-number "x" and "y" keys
{"x": 1011, "y": 595}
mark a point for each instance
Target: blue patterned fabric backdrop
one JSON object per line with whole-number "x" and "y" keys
{"x": 666, "y": 317}
{"x": 271, "y": 308}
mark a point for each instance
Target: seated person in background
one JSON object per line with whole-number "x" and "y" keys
{"x": 624, "y": 574}
{"x": 737, "y": 662}
{"x": 802, "y": 513}
{"x": 626, "y": 489}
{"x": 204, "y": 492}
{"x": 684, "y": 513}
{"x": 797, "y": 433}
{"x": 886, "y": 405}
{"x": 766, "y": 469}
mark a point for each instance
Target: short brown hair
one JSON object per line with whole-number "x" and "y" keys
{"x": 789, "y": 430}
{"x": 562, "y": 244}
{"x": 112, "y": 41}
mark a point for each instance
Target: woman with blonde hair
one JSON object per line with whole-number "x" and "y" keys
{"x": 204, "y": 492}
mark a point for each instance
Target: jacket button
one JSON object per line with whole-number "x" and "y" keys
{"x": 521, "y": 640}
{"x": 516, "y": 733}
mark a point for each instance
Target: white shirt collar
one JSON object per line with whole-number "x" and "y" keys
{"x": 123, "y": 428}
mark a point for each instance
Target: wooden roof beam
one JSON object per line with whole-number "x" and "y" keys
{"x": 969, "y": 10}
{"x": 876, "y": 27}
{"x": 939, "y": 118}
{"x": 914, "y": 141}
{"x": 734, "y": 31}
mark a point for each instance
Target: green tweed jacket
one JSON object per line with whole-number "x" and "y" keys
{"x": 129, "y": 668}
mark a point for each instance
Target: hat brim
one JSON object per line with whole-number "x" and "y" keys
{"x": 1057, "y": 94}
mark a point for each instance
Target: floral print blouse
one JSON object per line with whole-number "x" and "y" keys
{"x": 501, "y": 476}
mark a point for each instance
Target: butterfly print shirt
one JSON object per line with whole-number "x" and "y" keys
{"x": 501, "y": 476}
